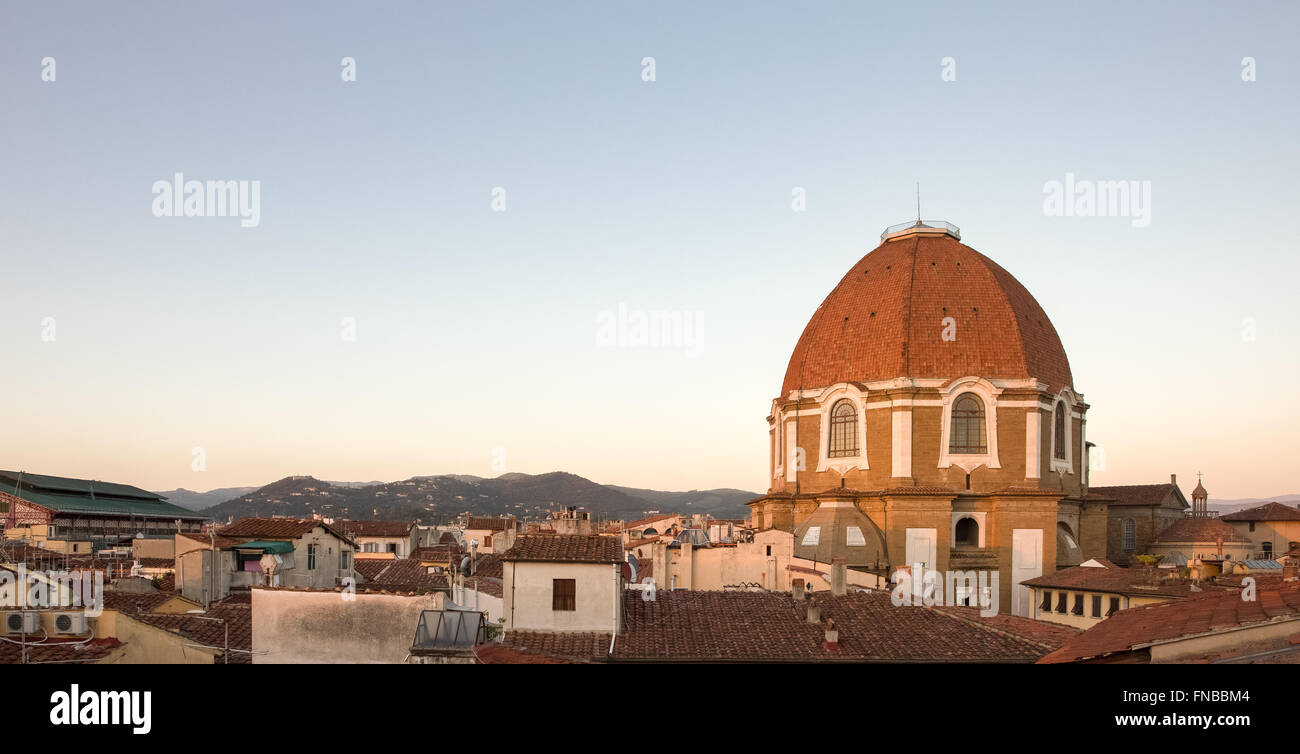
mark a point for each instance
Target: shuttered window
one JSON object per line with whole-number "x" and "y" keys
{"x": 563, "y": 594}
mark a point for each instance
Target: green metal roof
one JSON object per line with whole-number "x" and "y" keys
{"x": 109, "y": 506}
{"x": 90, "y": 497}
{"x": 9, "y": 480}
{"x": 272, "y": 548}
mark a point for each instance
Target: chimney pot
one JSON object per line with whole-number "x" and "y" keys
{"x": 814, "y": 614}
{"x": 1173, "y": 479}
{"x": 796, "y": 587}
{"x": 832, "y": 640}
{"x": 839, "y": 577}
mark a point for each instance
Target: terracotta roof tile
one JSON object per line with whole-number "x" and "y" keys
{"x": 882, "y": 321}
{"x": 235, "y": 615}
{"x": 57, "y": 650}
{"x": 491, "y": 524}
{"x": 1198, "y": 530}
{"x": 582, "y": 548}
{"x": 1114, "y": 580}
{"x": 771, "y": 627}
{"x": 405, "y": 574}
{"x": 374, "y": 528}
{"x": 532, "y": 647}
{"x": 1265, "y": 512}
{"x": 1134, "y": 494}
{"x": 277, "y": 528}
{"x": 1138, "y": 626}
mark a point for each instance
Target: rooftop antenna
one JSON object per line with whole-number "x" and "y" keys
{"x": 918, "y": 202}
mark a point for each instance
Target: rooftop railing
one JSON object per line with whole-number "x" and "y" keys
{"x": 939, "y": 226}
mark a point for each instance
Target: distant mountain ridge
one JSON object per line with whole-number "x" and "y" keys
{"x": 1242, "y": 503}
{"x": 200, "y": 500}
{"x": 440, "y": 498}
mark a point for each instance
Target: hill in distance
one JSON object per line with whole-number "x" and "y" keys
{"x": 200, "y": 500}
{"x": 440, "y": 498}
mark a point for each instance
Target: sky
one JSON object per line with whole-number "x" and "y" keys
{"x": 446, "y": 246}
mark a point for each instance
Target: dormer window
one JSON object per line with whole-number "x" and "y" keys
{"x": 968, "y": 433}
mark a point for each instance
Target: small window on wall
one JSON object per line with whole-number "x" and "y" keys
{"x": 1114, "y": 606}
{"x": 563, "y": 594}
{"x": 1047, "y": 602}
{"x": 966, "y": 435}
{"x": 1060, "y": 602}
{"x": 1130, "y": 535}
{"x": 1096, "y": 606}
{"x": 844, "y": 430}
{"x": 1059, "y": 434}
{"x": 311, "y": 557}
{"x": 1078, "y": 605}
{"x": 487, "y": 540}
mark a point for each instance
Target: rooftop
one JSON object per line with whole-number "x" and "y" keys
{"x": 761, "y": 626}
{"x": 577, "y": 548}
{"x": 1265, "y": 512}
{"x": 1139, "y": 627}
{"x": 89, "y": 496}
{"x": 1136, "y": 494}
{"x": 1198, "y": 530}
{"x": 878, "y": 323}
{"x": 1114, "y": 580}
{"x": 277, "y": 528}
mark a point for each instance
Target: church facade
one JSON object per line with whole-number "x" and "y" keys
{"x": 928, "y": 416}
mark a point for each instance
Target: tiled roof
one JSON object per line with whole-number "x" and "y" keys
{"x": 156, "y": 562}
{"x": 491, "y": 524}
{"x": 485, "y": 584}
{"x": 578, "y": 548}
{"x": 374, "y": 528}
{"x": 1134, "y": 494}
{"x": 407, "y": 574}
{"x": 237, "y": 616}
{"x": 277, "y": 528}
{"x": 135, "y": 602}
{"x": 1265, "y": 512}
{"x": 1198, "y": 530}
{"x": 57, "y": 650}
{"x": 488, "y": 565}
{"x": 204, "y": 541}
{"x": 438, "y": 553}
{"x": 540, "y": 647}
{"x": 651, "y": 520}
{"x": 1138, "y": 626}
{"x": 879, "y": 322}
{"x": 686, "y": 625}
{"x": 1112, "y": 580}
{"x": 13, "y": 552}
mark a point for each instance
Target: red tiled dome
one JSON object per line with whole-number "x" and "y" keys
{"x": 884, "y": 321}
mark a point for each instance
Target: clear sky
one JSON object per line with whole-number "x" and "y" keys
{"x": 478, "y": 331}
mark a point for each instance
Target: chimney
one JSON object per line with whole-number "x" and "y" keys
{"x": 796, "y": 587}
{"x": 814, "y": 613}
{"x": 838, "y": 577}
{"x": 1173, "y": 479}
{"x": 832, "y": 641}
{"x": 1290, "y": 572}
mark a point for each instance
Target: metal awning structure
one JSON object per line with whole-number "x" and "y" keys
{"x": 265, "y": 547}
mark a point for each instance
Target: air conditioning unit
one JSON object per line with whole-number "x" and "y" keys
{"x": 71, "y": 623}
{"x": 22, "y": 623}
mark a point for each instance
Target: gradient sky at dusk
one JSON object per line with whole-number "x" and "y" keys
{"x": 476, "y": 330}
